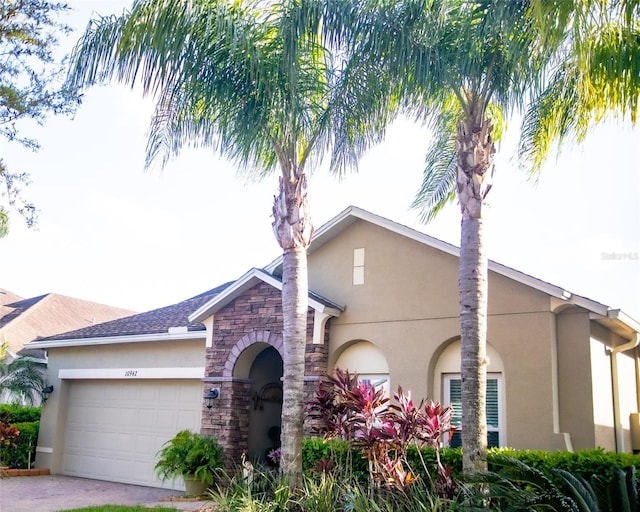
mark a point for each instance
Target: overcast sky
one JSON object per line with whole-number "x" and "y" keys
{"x": 112, "y": 233}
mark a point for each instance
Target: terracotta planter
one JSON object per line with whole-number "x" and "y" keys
{"x": 194, "y": 486}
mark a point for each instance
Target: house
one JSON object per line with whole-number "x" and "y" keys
{"x": 563, "y": 370}
{"x": 23, "y": 320}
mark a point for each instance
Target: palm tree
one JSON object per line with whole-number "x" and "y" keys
{"x": 463, "y": 65}
{"x": 469, "y": 64}
{"x": 22, "y": 379}
{"x": 598, "y": 75}
{"x": 256, "y": 82}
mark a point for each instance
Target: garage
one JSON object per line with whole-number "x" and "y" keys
{"x": 114, "y": 428}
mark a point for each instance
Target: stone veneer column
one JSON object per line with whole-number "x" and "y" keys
{"x": 316, "y": 368}
{"x": 228, "y": 419}
{"x": 255, "y": 316}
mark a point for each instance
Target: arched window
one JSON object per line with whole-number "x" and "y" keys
{"x": 368, "y": 361}
{"x": 448, "y": 386}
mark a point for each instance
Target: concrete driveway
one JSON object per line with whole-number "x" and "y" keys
{"x": 56, "y": 492}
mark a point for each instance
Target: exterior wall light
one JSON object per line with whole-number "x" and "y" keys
{"x": 46, "y": 391}
{"x": 210, "y": 396}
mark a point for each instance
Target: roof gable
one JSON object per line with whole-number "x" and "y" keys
{"x": 248, "y": 281}
{"x": 352, "y": 214}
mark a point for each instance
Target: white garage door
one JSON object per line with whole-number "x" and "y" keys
{"x": 115, "y": 428}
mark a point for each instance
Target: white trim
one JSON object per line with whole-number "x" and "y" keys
{"x": 616, "y": 314}
{"x": 131, "y": 373}
{"x": 446, "y": 400}
{"x": 109, "y": 340}
{"x": 44, "y": 449}
{"x": 319, "y": 322}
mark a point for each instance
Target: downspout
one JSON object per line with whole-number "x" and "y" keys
{"x": 630, "y": 345}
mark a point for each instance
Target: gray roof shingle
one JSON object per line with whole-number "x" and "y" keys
{"x": 151, "y": 322}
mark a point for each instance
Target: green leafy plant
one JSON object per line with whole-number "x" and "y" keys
{"x": 515, "y": 485}
{"x": 190, "y": 454}
{"x": 21, "y": 453}
{"x": 616, "y": 492}
{"x": 20, "y": 413}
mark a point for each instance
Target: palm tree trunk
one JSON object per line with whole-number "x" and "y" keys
{"x": 474, "y": 176}
{"x": 293, "y": 230}
{"x": 472, "y": 284}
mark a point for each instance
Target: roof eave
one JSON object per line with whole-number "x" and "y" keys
{"x": 113, "y": 340}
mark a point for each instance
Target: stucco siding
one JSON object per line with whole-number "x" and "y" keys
{"x": 627, "y": 391}
{"x": 408, "y": 308}
{"x": 575, "y": 383}
{"x": 523, "y": 342}
{"x": 602, "y": 392}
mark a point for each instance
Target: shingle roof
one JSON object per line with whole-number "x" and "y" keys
{"x": 15, "y": 309}
{"x": 7, "y": 297}
{"x": 151, "y": 322}
{"x": 23, "y": 320}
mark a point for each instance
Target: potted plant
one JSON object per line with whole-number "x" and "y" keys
{"x": 194, "y": 457}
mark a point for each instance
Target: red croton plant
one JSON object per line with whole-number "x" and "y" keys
{"x": 8, "y": 434}
{"x": 355, "y": 411}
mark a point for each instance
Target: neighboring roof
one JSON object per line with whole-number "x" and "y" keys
{"x": 7, "y": 297}
{"x": 168, "y": 319}
{"x": 249, "y": 280}
{"x": 353, "y": 214}
{"x": 15, "y": 309}
{"x": 23, "y": 320}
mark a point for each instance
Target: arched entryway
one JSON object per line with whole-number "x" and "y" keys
{"x": 265, "y": 412}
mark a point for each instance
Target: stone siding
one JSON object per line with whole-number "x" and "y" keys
{"x": 254, "y": 317}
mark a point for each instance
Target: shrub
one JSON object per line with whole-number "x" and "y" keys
{"x": 515, "y": 485}
{"x": 20, "y": 413}
{"x": 335, "y": 456}
{"x": 363, "y": 416}
{"x": 190, "y": 454}
{"x": 583, "y": 463}
{"x": 22, "y": 450}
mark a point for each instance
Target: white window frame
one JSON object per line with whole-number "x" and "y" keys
{"x": 446, "y": 391}
{"x": 379, "y": 380}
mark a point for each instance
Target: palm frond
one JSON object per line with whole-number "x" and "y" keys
{"x": 618, "y": 493}
{"x": 579, "y": 490}
{"x": 513, "y": 485}
{"x": 556, "y": 116}
{"x": 439, "y": 176}
{"x": 22, "y": 379}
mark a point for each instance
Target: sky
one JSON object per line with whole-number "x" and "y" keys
{"x": 112, "y": 232}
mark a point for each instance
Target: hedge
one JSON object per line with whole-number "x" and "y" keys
{"x": 584, "y": 462}
{"x": 20, "y": 413}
